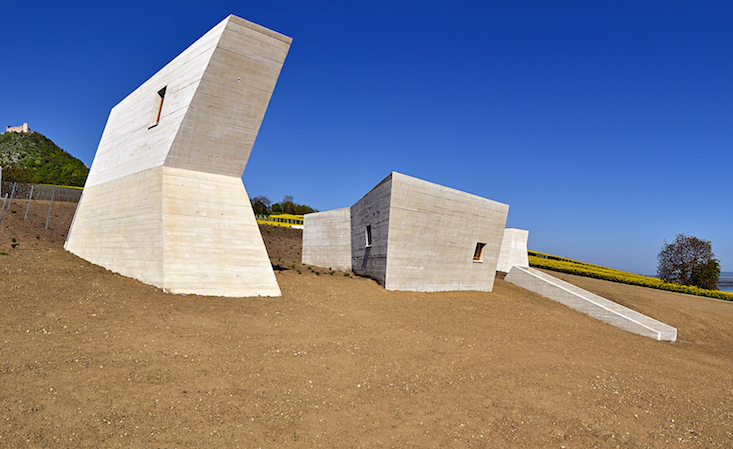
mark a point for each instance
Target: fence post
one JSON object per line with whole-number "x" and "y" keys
{"x": 12, "y": 192}
{"x": 49, "y": 208}
{"x": 30, "y": 195}
{"x": 2, "y": 210}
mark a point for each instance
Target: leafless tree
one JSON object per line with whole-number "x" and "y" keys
{"x": 261, "y": 205}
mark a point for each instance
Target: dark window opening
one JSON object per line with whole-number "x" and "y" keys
{"x": 369, "y": 235}
{"x": 158, "y": 108}
{"x": 478, "y": 255}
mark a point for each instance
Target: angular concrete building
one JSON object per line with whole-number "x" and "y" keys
{"x": 164, "y": 201}
{"x": 410, "y": 234}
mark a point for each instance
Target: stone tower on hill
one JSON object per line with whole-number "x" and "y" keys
{"x": 18, "y": 129}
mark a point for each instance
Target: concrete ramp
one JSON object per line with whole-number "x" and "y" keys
{"x": 590, "y": 304}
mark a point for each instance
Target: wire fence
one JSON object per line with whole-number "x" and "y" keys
{"x": 35, "y": 210}
{"x": 16, "y": 190}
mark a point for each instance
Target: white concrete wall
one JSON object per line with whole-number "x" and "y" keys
{"x": 128, "y": 145}
{"x": 513, "y": 250}
{"x": 327, "y": 239}
{"x": 118, "y": 225}
{"x": 231, "y": 99}
{"x": 211, "y": 241}
{"x": 373, "y": 209}
{"x": 217, "y": 93}
{"x": 433, "y": 232}
{"x": 590, "y": 304}
{"x": 166, "y": 204}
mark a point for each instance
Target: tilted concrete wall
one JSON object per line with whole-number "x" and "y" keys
{"x": 590, "y": 304}
{"x": 327, "y": 239}
{"x": 513, "y": 250}
{"x": 373, "y": 210}
{"x": 165, "y": 204}
{"x": 433, "y": 232}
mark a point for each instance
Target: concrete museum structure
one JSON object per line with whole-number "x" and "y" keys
{"x": 164, "y": 202}
{"x": 410, "y": 234}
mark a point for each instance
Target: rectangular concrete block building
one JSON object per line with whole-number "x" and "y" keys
{"x": 327, "y": 239}
{"x": 164, "y": 201}
{"x": 413, "y": 235}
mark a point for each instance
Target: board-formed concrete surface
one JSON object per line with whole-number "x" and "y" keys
{"x": 164, "y": 201}
{"x": 433, "y": 232}
{"x": 513, "y": 250}
{"x": 327, "y": 239}
{"x": 590, "y": 304}
{"x": 414, "y": 235}
{"x": 369, "y": 251}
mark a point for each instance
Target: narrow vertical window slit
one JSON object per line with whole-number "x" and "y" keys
{"x": 478, "y": 254}
{"x": 157, "y": 107}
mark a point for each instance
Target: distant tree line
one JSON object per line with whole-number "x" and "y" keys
{"x": 263, "y": 206}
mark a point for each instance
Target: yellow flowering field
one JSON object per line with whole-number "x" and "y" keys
{"x": 286, "y": 220}
{"x": 563, "y": 265}
{"x": 289, "y": 217}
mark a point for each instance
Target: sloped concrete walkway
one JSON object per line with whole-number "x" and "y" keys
{"x": 590, "y": 304}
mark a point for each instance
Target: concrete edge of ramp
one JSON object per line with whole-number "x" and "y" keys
{"x": 590, "y": 304}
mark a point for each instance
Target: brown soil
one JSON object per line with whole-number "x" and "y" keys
{"x": 89, "y": 358}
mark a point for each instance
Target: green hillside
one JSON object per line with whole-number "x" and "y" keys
{"x": 34, "y": 158}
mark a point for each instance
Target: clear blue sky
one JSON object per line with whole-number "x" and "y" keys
{"x": 606, "y": 126}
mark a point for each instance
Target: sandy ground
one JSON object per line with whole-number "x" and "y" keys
{"x": 89, "y": 358}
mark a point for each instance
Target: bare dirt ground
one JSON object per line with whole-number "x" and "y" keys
{"x": 89, "y": 358}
